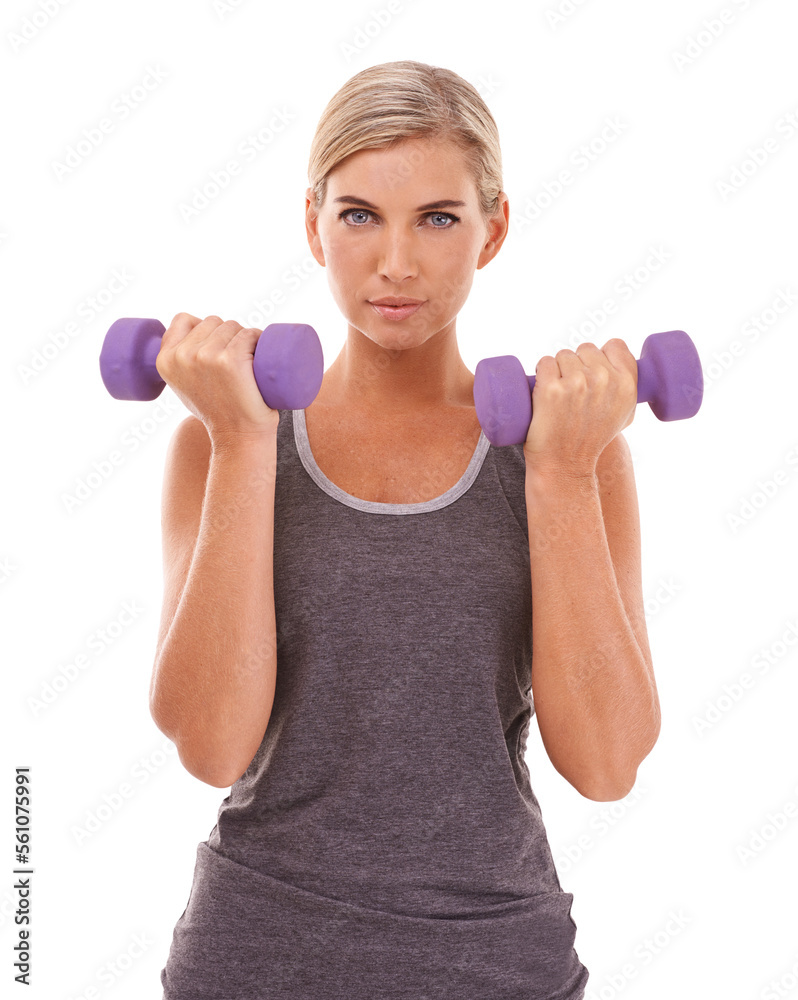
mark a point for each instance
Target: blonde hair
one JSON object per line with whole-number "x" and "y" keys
{"x": 385, "y": 104}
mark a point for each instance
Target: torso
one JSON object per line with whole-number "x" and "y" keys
{"x": 389, "y": 462}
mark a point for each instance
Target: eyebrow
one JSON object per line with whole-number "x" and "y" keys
{"x": 446, "y": 203}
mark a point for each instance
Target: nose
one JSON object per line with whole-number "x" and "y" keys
{"x": 397, "y": 258}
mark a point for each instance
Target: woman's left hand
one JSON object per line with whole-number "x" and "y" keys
{"x": 581, "y": 400}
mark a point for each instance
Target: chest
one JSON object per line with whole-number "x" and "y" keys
{"x": 390, "y": 462}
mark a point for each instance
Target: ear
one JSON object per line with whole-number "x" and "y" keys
{"x": 311, "y": 227}
{"x": 497, "y": 225}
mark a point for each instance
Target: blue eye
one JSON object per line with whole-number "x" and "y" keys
{"x": 362, "y": 211}
{"x": 350, "y": 211}
{"x": 444, "y": 215}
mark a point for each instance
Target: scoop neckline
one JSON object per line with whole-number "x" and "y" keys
{"x": 375, "y": 506}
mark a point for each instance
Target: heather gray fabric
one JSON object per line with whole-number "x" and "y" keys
{"x": 385, "y": 842}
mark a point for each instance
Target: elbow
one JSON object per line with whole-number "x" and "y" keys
{"x": 607, "y": 789}
{"x": 215, "y": 763}
{"x": 615, "y": 785}
{"x": 210, "y": 769}
{"x": 216, "y": 777}
{"x": 213, "y": 771}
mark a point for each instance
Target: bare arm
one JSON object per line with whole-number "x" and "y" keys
{"x": 214, "y": 674}
{"x": 593, "y": 681}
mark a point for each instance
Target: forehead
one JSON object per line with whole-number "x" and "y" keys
{"x": 432, "y": 166}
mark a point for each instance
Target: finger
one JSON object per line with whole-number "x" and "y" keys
{"x": 224, "y": 330}
{"x": 212, "y": 334}
{"x": 246, "y": 335}
{"x": 591, "y": 356}
{"x": 570, "y": 362}
{"x": 212, "y": 329}
{"x": 180, "y": 327}
{"x": 189, "y": 331}
{"x": 546, "y": 369}
{"x": 589, "y": 352}
{"x": 619, "y": 356}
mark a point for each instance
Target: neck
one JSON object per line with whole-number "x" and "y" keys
{"x": 398, "y": 381}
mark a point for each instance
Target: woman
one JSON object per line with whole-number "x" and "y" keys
{"x": 353, "y": 629}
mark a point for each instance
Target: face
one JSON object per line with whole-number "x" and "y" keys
{"x": 384, "y": 241}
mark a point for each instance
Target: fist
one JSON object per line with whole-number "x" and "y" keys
{"x": 581, "y": 400}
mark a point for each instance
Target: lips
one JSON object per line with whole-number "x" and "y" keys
{"x": 396, "y": 312}
{"x": 393, "y": 300}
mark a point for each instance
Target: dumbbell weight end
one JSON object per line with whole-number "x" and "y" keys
{"x": 127, "y": 359}
{"x": 288, "y": 365}
{"x": 669, "y": 376}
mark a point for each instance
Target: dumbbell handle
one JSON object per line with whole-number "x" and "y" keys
{"x": 647, "y": 380}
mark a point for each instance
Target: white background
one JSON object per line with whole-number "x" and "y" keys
{"x": 696, "y": 94}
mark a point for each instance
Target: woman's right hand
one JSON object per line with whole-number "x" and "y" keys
{"x": 208, "y": 364}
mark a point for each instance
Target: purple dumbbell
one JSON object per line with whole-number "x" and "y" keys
{"x": 669, "y": 379}
{"x": 288, "y": 362}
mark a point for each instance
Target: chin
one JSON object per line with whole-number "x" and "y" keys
{"x": 390, "y": 336}
{"x": 392, "y": 345}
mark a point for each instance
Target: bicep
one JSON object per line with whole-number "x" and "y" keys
{"x": 620, "y": 511}
{"x": 183, "y": 493}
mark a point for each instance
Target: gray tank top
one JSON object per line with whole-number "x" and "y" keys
{"x": 385, "y": 841}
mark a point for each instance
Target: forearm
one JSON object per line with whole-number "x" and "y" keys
{"x": 595, "y": 699}
{"x": 215, "y": 676}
